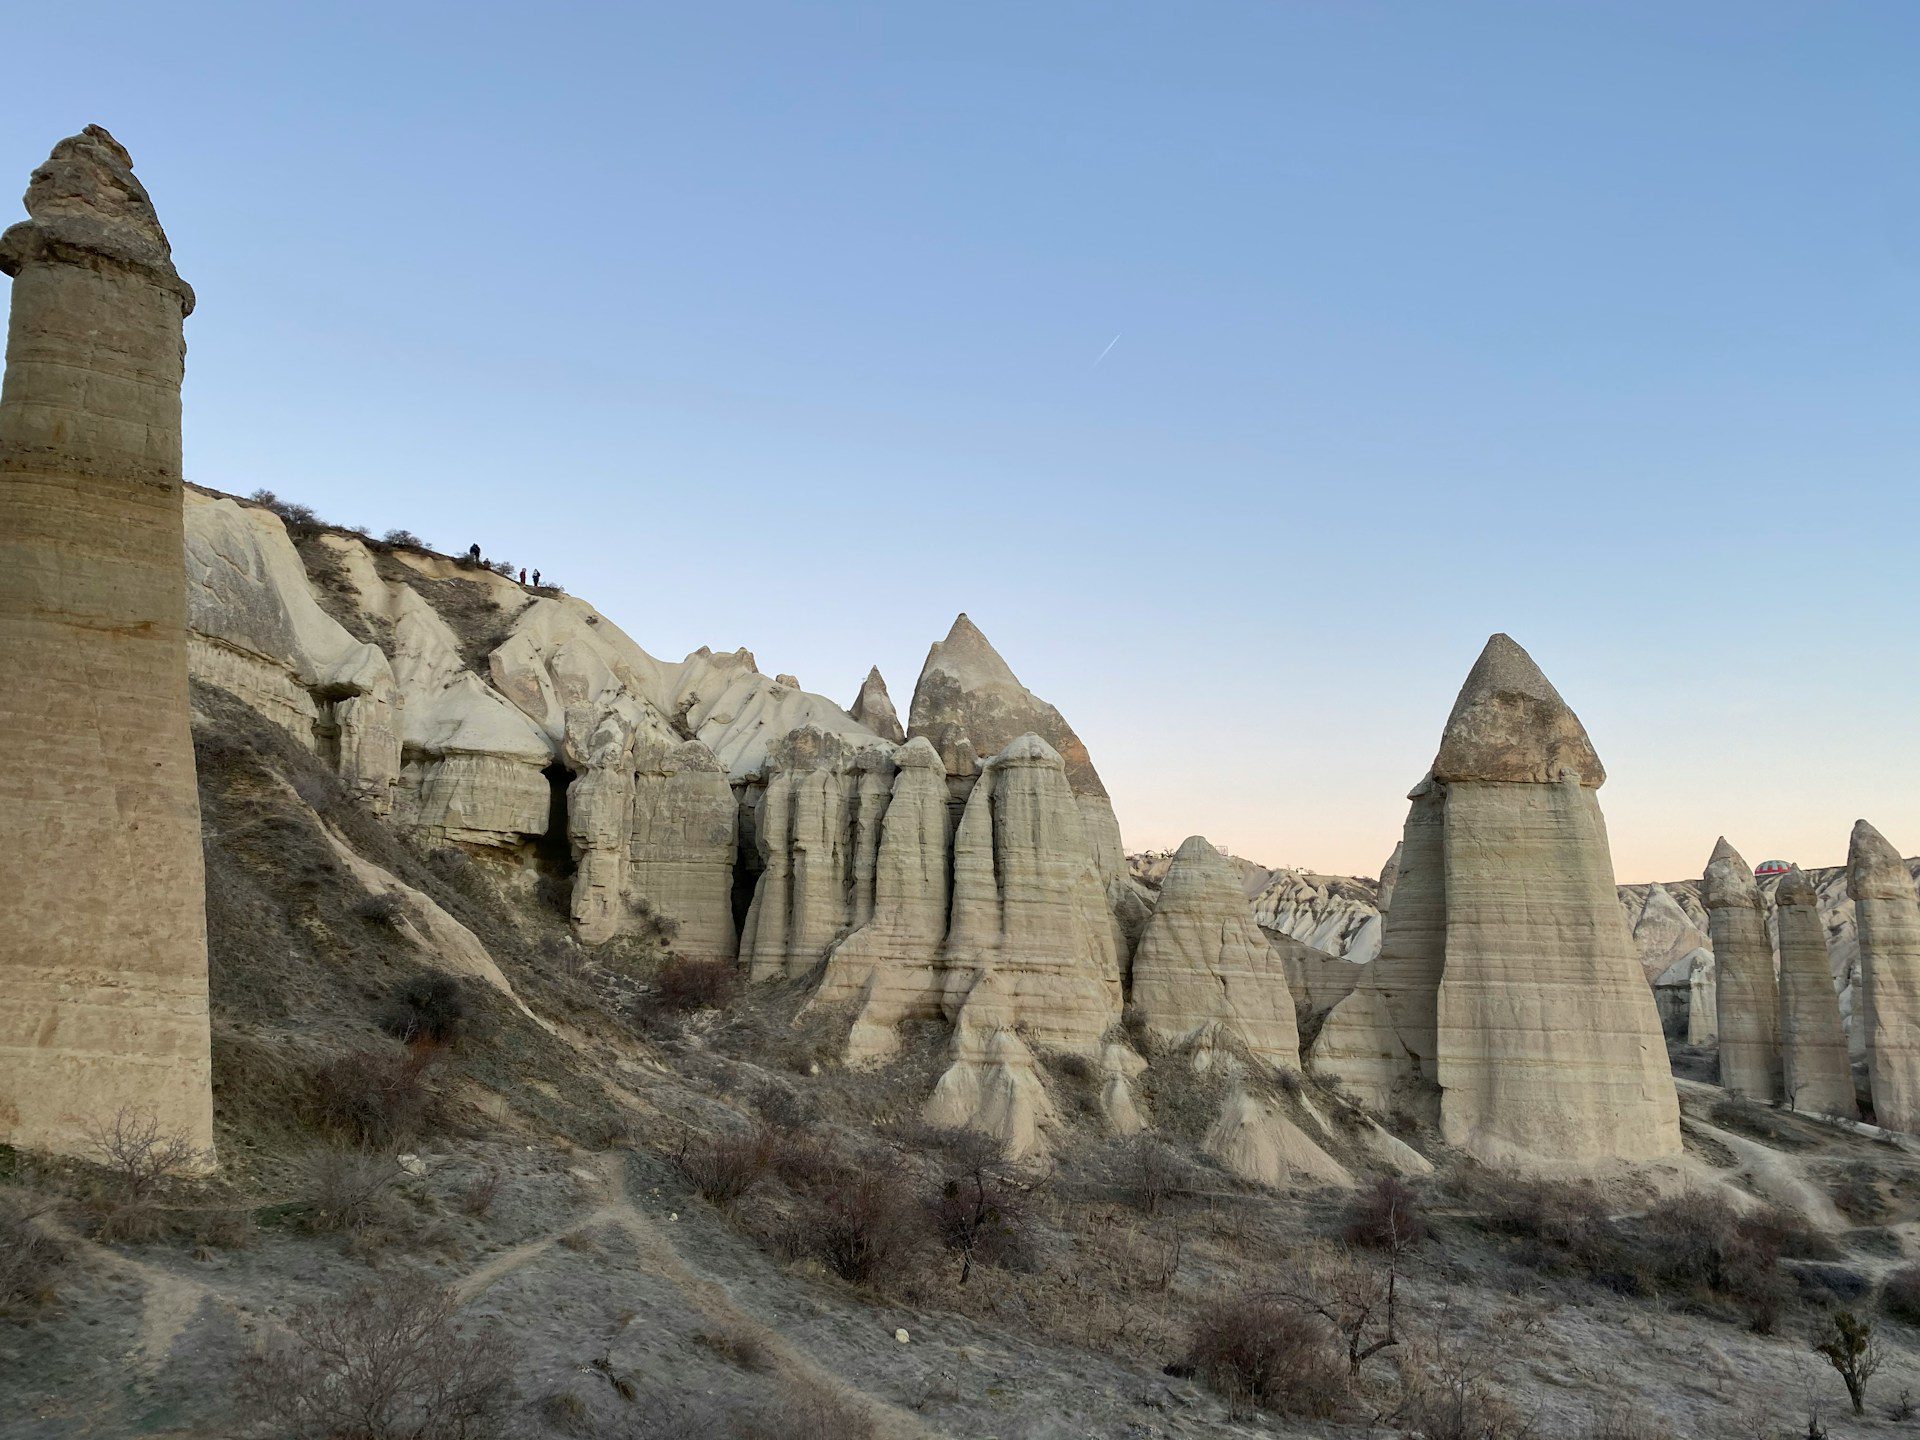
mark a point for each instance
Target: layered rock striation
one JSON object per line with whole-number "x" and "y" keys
{"x": 1887, "y": 910}
{"x": 1747, "y": 999}
{"x": 1818, "y": 1074}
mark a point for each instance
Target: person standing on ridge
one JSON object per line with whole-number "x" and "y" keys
{"x": 536, "y": 579}
{"x": 523, "y": 574}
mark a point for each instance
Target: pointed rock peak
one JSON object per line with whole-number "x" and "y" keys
{"x": 1875, "y": 870}
{"x": 968, "y": 653}
{"x": 1510, "y": 724}
{"x": 1196, "y": 848}
{"x": 873, "y": 708}
{"x": 918, "y": 754}
{"x": 1795, "y": 889}
{"x": 1199, "y": 871}
{"x": 1728, "y": 879}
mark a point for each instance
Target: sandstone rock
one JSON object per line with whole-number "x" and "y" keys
{"x": 1818, "y": 1074}
{"x": 806, "y": 832}
{"x": 992, "y": 1085}
{"x": 1663, "y": 934}
{"x": 873, "y": 708}
{"x": 1029, "y": 908}
{"x": 683, "y": 844}
{"x": 1317, "y": 981}
{"x": 1549, "y": 1041}
{"x": 969, "y": 703}
{"x": 103, "y": 946}
{"x": 1204, "y": 961}
{"x": 257, "y": 632}
{"x": 739, "y": 714}
{"x": 1747, "y": 995}
{"x": 890, "y": 965}
{"x": 1887, "y": 908}
{"x": 1332, "y": 915}
{"x": 1255, "y": 1140}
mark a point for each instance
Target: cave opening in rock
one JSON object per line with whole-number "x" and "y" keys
{"x": 554, "y": 851}
{"x": 747, "y": 866}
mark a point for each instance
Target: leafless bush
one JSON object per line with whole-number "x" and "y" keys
{"x": 373, "y": 1098}
{"x": 1699, "y": 1243}
{"x": 978, "y": 1210}
{"x": 1386, "y": 1216}
{"x": 389, "y": 1362}
{"x": 1150, "y": 1171}
{"x": 458, "y": 870}
{"x": 1257, "y": 1352}
{"x": 725, "y": 1167}
{"x": 863, "y": 1229}
{"x": 738, "y": 1345}
{"x": 481, "y": 1191}
{"x": 385, "y": 908}
{"x": 682, "y": 985}
{"x": 404, "y": 538}
{"x": 349, "y": 1189}
{"x": 140, "y": 1156}
{"x": 30, "y": 1258}
{"x": 1450, "y": 1393}
{"x": 426, "y": 1009}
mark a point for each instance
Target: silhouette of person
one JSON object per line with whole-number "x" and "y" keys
{"x": 536, "y": 579}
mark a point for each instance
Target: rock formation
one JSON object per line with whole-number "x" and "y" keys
{"x": 1664, "y": 934}
{"x": 682, "y": 846}
{"x": 814, "y": 847}
{"x": 970, "y": 704}
{"x": 1203, "y": 964}
{"x": 873, "y": 708}
{"x": 1818, "y": 1074}
{"x": 1506, "y": 1001}
{"x": 890, "y": 966}
{"x": 103, "y": 948}
{"x": 1747, "y": 995}
{"x": 257, "y": 631}
{"x": 1887, "y": 911}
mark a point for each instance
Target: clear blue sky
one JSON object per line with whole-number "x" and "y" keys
{"x": 777, "y": 325}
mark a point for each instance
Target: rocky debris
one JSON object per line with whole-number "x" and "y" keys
{"x": 103, "y": 941}
{"x": 969, "y": 704}
{"x": 1818, "y": 1075}
{"x": 1204, "y": 961}
{"x": 817, "y": 816}
{"x": 1887, "y": 910}
{"x": 1747, "y": 994}
{"x": 1506, "y": 1001}
{"x": 890, "y": 966}
{"x": 873, "y": 708}
{"x": 257, "y": 632}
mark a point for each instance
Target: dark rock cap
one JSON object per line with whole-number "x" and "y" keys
{"x": 1510, "y": 724}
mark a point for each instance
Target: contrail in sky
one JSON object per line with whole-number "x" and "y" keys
{"x": 1104, "y": 353}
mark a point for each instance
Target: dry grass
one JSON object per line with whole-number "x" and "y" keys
{"x": 30, "y": 1257}
{"x": 1259, "y": 1353}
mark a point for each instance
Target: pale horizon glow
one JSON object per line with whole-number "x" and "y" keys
{"x": 768, "y": 325}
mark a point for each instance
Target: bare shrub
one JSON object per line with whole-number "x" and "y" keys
{"x": 1450, "y": 1393}
{"x": 725, "y": 1167}
{"x": 864, "y": 1228}
{"x": 373, "y": 1098}
{"x": 1257, "y": 1352}
{"x": 738, "y": 1345}
{"x": 682, "y": 985}
{"x": 426, "y": 1009}
{"x": 1699, "y": 1243}
{"x": 389, "y": 1362}
{"x": 1848, "y": 1344}
{"x": 30, "y": 1258}
{"x": 1385, "y": 1216}
{"x": 404, "y": 538}
{"x": 1624, "y": 1420}
{"x": 385, "y": 908}
{"x": 349, "y": 1190}
{"x": 458, "y": 870}
{"x": 1900, "y": 1296}
{"x": 1357, "y": 1299}
{"x": 1560, "y": 1225}
{"x": 1150, "y": 1171}
{"x": 978, "y": 1211}
{"x": 140, "y": 1157}
{"x": 807, "y": 1412}
{"x": 481, "y": 1191}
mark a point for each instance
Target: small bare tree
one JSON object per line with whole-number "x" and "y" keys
{"x": 140, "y": 1155}
{"x": 1356, "y": 1299}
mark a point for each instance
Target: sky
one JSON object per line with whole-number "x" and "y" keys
{"x": 1238, "y": 367}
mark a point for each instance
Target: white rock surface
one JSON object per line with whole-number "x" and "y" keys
{"x": 873, "y": 708}
{"x": 1887, "y": 908}
{"x": 1818, "y": 1073}
{"x": 1747, "y": 993}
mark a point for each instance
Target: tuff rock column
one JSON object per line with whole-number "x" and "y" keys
{"x": 1548, "y": 1040}
{"x": 1819, "y": 1076}
{"x": 103, "y": 946}
{"x": 1748, "y": 1000}
{"x": 1887, "y": 916}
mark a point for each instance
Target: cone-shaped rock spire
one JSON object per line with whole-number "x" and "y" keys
{"x": 1886, "y": 911}
{"x": 1748, "y": 996}
{"x": 873, "y": 708}
{"x": 1819, "y": 1076}
{"x": 1510, "y": 724}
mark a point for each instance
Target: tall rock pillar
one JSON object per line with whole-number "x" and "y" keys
{"x": 1748, "y": 997}
{"x": 1886, "y": 910}
{"x": 103, "y": 946}
{"x": 1819, "y": 1075}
